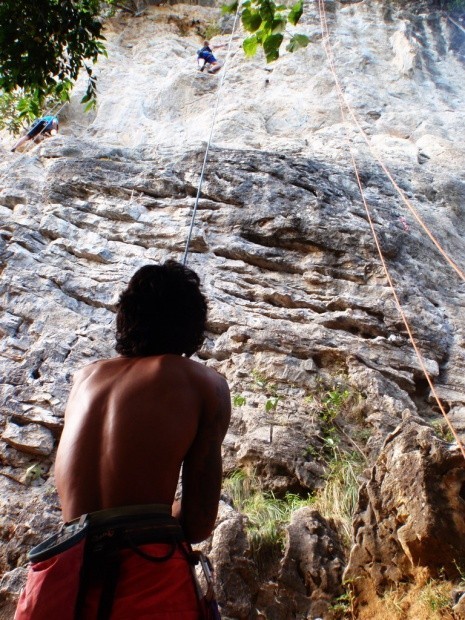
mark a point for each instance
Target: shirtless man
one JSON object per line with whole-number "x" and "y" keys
{"x": 130, "y": 424}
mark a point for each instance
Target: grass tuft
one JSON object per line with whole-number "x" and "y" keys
{"x": 267, "y": 515}
{"x": 338, "y": 499}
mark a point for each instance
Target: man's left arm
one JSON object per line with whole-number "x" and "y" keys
{"x": 202, "y": 468}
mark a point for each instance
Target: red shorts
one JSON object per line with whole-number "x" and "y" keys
{"x": 144, "y": 589}
{"x": 148, "y": 590}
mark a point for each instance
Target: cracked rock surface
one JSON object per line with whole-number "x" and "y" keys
{"x": 298, "y": 298}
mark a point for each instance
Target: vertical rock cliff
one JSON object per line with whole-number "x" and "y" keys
{"x": 302, "y": 320}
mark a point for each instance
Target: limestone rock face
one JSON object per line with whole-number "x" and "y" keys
{"x": 308, "y": 576}
{"x": 32, "y": 438}
{"x": 236, "y": 580}
{"x": 411, "y": 512}
{"x": 299, "y": 303}
{"x": 312, "y": 564}
{"x": 30, "y": 513}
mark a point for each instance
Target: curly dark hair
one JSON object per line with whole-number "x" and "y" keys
{"x": 161, "y": 311}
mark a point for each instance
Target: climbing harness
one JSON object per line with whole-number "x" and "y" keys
{"x": 91, "y": 546}
{"x": 344, "y": 103}
{"x": 202, "y": 173}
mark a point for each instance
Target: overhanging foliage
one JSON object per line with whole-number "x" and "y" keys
{"x": 267, "y": 22}
{"x": 43, "y": 46}
{"x": 44, "y": 43}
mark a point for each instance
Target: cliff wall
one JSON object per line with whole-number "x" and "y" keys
{"x": 300, "y": 306}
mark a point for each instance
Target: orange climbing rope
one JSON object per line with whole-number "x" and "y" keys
{"x": 343, "y": 103}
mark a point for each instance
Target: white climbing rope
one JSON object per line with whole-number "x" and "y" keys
{"x": 202, "y": 173}
{"x": 456, "y": 23}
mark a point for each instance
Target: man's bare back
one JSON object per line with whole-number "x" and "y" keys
{"x": 130, "y": 423}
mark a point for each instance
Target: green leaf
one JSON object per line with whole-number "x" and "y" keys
{"x": 63, "y": 90}
{"x": 250, "y": 45}
{"x": 296, "y": 12}
{"x": 279, "y": 25}
{"x": 271, "y": 46}
{"x": 267, "y": 10}
{"x": 251, "y": 20}
{"x": 272, "y": 56}
{"x": 239, "y": 400}
{"x": 297, "y": 41}
{"x": 271, "y": 404}
{"x": 101, "y": 49}
{"x": 90, "y": 106}
{"x": 272, "y": 42}
{"x": 229, "y": 8}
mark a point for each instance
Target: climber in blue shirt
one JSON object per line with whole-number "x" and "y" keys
{"x": 206, "y": 55}
{"x": 41, "y": 128}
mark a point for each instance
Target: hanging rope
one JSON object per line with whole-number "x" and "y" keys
{"x": 343, "y": 103}
{"x": 453, "y": 21}
{"x": 202, "y": 173}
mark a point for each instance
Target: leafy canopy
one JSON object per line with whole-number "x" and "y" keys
{"x": 267, "y": 22}
{"x": 46, "y": 42}
{"x": 43, "y": 46}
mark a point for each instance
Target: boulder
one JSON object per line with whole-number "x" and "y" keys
{"x": 31, "y": 438}
{"x": 312, "y": 566}
{"x": 411, "y": 512}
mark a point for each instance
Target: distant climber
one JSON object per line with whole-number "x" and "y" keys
{"x": 205, "y": 57}
{"x": 42, "y": 127}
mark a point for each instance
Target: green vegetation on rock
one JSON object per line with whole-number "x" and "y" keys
{"x": 266, "y": 514}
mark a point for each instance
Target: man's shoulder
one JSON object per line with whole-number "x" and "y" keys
{"x": 215, "y": 383}
{"x": 195, "y": 372}
{"x": 190, "y": 366}
{"x": 84, "y": 371}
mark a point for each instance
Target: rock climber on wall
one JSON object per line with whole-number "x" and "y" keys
{"x": 205, "y": 57}
{"x": 41, "y": 128}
